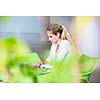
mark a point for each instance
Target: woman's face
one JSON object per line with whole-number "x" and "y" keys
{"x": 53, "y": 38}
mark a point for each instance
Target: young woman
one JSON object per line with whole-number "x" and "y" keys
{"x": 62, "y": 43}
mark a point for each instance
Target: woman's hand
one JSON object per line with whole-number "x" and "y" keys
{"x": 38, "y": 64}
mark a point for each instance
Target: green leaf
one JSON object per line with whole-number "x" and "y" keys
{"x": 88, "y": 65}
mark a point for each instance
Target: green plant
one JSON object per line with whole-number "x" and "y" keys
{"x": 12, "y": 49}
{"x": 65, "y": 71}
{"x": 88, "y": 65}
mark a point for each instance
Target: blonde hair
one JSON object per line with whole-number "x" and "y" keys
{"x": 64, "y": 34}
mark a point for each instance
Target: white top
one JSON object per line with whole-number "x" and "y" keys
{"x": 64, "y": 48}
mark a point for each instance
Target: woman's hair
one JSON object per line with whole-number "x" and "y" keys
{"x": 64, "y": 34}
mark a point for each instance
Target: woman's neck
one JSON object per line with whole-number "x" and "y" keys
{"x": 58, "y": 42}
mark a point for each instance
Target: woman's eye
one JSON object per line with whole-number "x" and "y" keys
{"x": 50, "y": 36}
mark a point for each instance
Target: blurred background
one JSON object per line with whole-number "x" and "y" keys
{"x": 31, "y": 29}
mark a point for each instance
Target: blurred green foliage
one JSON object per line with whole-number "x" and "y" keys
{"x": 17, "y": 65}
{"x": 10, "y": 50}
{"x": 88, "y": 65}
{"x": 5, "y": 19}
{"x": 65, "y": 71}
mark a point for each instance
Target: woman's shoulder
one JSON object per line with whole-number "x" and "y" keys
{"x": 66, "y": 45}
{"x": 65, "y": 42}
